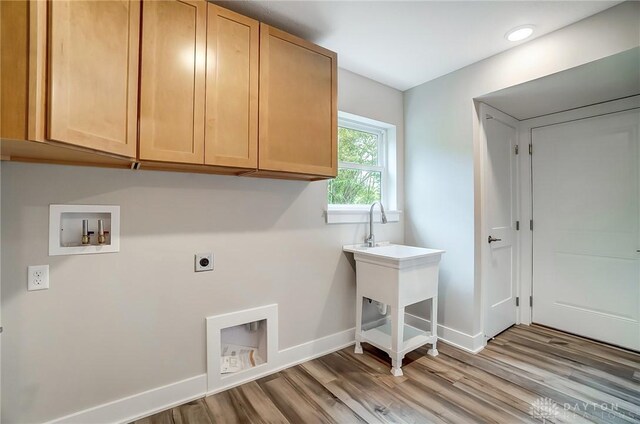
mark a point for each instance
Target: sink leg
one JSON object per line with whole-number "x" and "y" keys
{"x": 359, "y": 300}
{"x": 434, "y": 326}
{"x": 396, "y": 369}
{"x": 397, "y": 339}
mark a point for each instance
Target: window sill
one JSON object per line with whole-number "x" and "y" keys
{"x": 358, "y": 216}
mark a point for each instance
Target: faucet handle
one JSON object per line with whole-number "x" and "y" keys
{"x": 370, "y": 241}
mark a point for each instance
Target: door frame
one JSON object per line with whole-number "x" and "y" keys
{"x": 485, "y": 110}
{"x": 525, "y": 311}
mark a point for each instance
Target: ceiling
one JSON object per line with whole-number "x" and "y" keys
{"x": 600, "y": 81}
{"x": 405, "y": 43}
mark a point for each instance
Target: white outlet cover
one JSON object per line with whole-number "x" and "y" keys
{"x": 199, "y": 257}
{"x": 38, "y": 277}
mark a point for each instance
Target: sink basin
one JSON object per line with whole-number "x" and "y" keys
{"x": 396, "y": 252}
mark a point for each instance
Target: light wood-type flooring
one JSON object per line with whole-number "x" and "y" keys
{"x": 526, "y": 374}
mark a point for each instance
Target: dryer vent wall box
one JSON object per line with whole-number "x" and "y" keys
{"x": 83, "y": 229}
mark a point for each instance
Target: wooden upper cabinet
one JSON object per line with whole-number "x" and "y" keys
{"x": 93, "y": 74}
{"x": 298, "y": 105}
{"x": 174, "y": 84}
{"x": 231, "y": 132}
{"x": 172, "y": 81}
{"x": 14, "y": 69}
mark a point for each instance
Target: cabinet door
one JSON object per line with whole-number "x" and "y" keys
{"x": 172, "y": 81}
{"x": 298, "y": 107}
{"x": 14, "y": 63}
{"x": 231, "y": 132}
{"x": 93, "y": 74}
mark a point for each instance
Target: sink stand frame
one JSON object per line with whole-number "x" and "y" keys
{"x": 398, "y": 284}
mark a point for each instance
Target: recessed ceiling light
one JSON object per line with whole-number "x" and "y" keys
{"x": 519, "y": 33}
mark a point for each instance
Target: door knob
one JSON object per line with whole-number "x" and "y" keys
{"x": 493, "y": 239}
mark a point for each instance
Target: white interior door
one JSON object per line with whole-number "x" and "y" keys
{"x": 499, "y": 217}
{"x": 586, "y": 214}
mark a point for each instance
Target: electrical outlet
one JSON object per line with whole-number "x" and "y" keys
{"x": 204, "y": 262}
{"x": 38, "y": 277}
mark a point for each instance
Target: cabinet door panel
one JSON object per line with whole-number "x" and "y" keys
{"x": 231, "y": 133}
{"x": 298, "y": 108}
{"x": 14, "y": 63}
{"x": 93, "y": 74}
{"x": 172, "y": 83}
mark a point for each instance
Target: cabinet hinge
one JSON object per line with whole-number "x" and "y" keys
{"x": 517, "y": 225}
{"x": 517, "y": 149}
{"x": 517, "y": 301}
{"x": 531, "y": 224}
{"x": 531, "y": 301}
{"x": 530, "y": 149}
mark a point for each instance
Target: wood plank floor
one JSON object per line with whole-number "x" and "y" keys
{"x": 526, "y": 374}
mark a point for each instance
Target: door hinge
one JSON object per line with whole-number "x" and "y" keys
{"x": 530, "y": 149}
{"x": 517, "y": 149}
{"x": 517, "y": 225}
{"x": 531, "y": 224}
{"x": 531, "y": 301}
{"x": 517, "y": 301}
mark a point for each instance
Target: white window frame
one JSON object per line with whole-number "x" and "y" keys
{"x": 337, "y": 213}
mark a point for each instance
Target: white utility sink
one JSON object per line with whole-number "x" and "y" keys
{"x": 398, "y": 276}
{"x": 394, "y": 252}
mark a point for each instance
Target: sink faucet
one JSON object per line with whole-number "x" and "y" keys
{"x": 371, "y": 240}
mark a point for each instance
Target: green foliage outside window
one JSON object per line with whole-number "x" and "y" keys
{"x": 357, "y": 147}
{"x": 356, "y": 186}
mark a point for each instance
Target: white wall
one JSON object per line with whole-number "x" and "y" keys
{"x": 0, "y": 290}
{"x": 114, "y": 325}
{"x": 365, "y": 97}
{"x": 442, "y": 210}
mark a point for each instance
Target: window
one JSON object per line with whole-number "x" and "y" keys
{"x": 361, "y": 165}
{"x": 366, "y": 170}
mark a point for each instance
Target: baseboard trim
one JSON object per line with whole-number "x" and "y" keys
{"x": 140, "y": 405}
{"x": 155, "y": 400}
{"x": 450, "y": 336}
{"x": 298, "y": 354}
